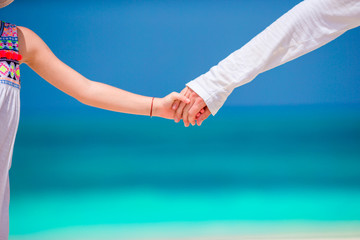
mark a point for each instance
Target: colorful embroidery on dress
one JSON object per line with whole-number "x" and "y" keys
{"x": 9, "y": 55}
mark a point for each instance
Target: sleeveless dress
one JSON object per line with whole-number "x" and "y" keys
{"x": 9, "y": 114}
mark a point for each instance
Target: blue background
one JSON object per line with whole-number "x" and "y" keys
{"x": 155, "y": 47}
{"x": 284, "y": 147}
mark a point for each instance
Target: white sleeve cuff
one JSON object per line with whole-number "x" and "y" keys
{"x": 213, "y": 100}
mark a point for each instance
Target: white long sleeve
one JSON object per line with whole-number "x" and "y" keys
{"x": 308, "y": 26}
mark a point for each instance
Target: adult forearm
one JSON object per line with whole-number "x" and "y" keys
{"x": 306, "y": 27}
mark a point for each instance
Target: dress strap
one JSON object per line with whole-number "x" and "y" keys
{"x": 1, "y": 27}
{"x": 9, "y": 55}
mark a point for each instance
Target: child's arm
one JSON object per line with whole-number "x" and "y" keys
{"x": 40, "y": 58}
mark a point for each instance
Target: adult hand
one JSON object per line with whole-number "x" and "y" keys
{"x": 195, "y": 111}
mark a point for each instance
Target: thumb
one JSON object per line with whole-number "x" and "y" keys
{"x": 177, "y": 96}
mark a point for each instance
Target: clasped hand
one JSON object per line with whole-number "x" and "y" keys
{"x": 193, "y": 112}
{"x": 186, "y": 105}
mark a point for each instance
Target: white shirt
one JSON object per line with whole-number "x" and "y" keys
{"x": 308, "y": 26}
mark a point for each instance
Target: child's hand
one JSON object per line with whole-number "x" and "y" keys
{"x": 163, "y": 106}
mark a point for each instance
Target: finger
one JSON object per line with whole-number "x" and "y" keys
{"x": 186, "y": 113}
{"x": 178, "y": 97}
{"x": 179, "y": 110}
{"x": 195, "y": 109}
{"x": 203, "y": 116}
{"x": 177, "y": 103}
{"x": 187, "y": 108}
{"x": 180, "y": 107}
{"x": 199, "y": 113}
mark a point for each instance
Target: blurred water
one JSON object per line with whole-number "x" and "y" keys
{"x": 90, "y": 174}
{"x": 247, "y": 164}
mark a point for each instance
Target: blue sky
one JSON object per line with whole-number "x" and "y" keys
{"x": 155, "y": 47}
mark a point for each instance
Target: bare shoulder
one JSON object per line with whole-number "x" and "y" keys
{"x": 24, "y": 30}
{"x": 29, "y": 43}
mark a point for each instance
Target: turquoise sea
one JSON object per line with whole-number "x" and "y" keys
{"x": 249, "y": 170}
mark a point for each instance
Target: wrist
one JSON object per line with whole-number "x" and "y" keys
{"x": 156, "y": 108}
